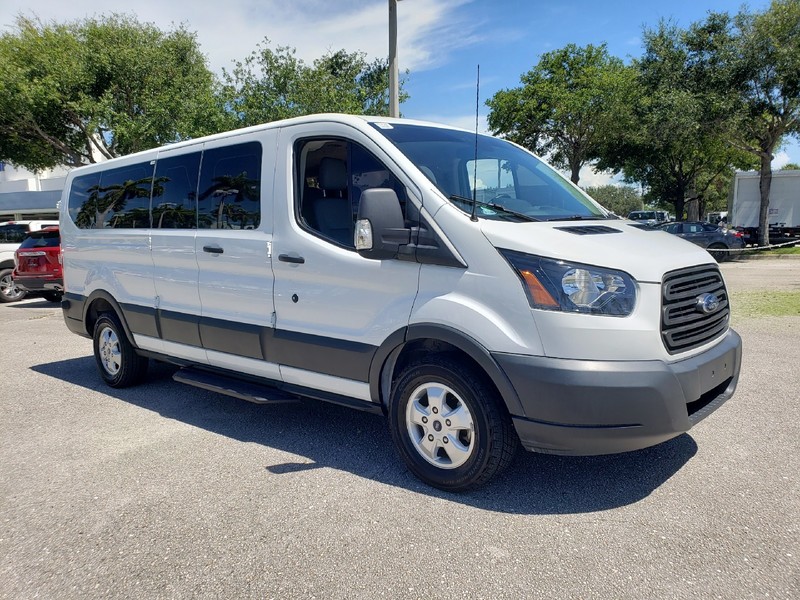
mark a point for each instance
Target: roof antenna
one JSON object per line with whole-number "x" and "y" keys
{"x": 475, "y": 163}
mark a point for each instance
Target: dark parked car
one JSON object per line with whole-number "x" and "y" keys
{"x": 717, "y": 240}
{"x": 38, "y": 264}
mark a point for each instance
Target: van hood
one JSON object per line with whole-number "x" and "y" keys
{"x": 645, "y": 254}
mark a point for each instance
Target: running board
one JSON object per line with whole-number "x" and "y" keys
{"x": 244, "y": 390}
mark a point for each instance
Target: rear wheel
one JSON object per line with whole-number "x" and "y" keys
{"x": 116, "y": 358}
{"x": 448, "y": 425}
{"x": 714, "y": 250}
{"x": 53, "y": 296}
{"x": 9, "y": 291}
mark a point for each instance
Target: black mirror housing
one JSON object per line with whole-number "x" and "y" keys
{"x": 380, "y": 207}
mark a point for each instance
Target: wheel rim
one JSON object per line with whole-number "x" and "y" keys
{"x": 440, "y": 426}
{"x": 9, "y": 289}
{"x": 109, "y": 351}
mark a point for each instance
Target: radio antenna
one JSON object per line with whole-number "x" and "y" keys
{"x": 475, "y": 163}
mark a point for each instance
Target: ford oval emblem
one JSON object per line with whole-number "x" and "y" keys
{"x": 707, "y": 303}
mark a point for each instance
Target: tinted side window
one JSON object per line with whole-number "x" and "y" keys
{"x": 123, "y": 199}
{"x": 175, "y": 192}
{"x": 230, "y": 187}
{"x": 83, "y": 200}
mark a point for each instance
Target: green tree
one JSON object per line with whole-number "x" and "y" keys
{"x": 765, "y": 70}
{"x": 564, "y": 106}
{"x": 273, "y": 84}
{"x": 619, "y": 199}
{"x": 98, "y": 88}
{"x": 672, "y": 138}
{"x": 790, "y": 167}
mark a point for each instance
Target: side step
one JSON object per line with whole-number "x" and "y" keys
{"x": 244, "y": 390}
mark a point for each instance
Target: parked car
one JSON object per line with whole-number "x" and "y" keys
{"x": 649, "y": 217}
{"x": 38, "y": 264}
{"x": 716, "y": 239}
{"x": 12, "y": 233}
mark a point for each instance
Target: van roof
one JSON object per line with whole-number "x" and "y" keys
{"x": 357, "y": 121}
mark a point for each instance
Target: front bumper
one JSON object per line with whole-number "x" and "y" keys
{"x": 603, "y": 407}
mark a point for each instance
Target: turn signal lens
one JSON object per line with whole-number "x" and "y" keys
{"x": 538, "y": 294}
{"x": 363, "y": 234}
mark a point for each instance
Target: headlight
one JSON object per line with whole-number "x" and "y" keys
{"x": 572, "y": 287}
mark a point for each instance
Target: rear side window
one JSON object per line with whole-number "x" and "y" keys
{"x": 42, "y": 239}
{"x": 114, "y": 198}
{"x": 175, "y": 192}
{"x": 230, "y": 187}
{"x": 124, "y": 199}
{"x": 83, "y": 199}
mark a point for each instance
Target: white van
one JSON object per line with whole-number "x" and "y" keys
{"x": 477, "y": 300}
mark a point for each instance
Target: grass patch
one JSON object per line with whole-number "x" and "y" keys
{"x": 776, "y": 251}
{"x": 774, "y": 303}
{"x": 788, "y": 250}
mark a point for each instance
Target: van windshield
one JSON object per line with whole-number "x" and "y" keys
{"x": 510, "y": 183}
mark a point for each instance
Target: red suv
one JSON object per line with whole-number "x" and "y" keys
{"x": 38, "y": 264}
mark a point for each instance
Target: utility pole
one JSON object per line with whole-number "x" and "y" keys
{"x": 394, "y": 74}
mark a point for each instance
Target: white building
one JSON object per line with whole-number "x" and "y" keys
{"x": 27, "y": 195}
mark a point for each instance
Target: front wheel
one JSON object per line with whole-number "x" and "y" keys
{"x": 9, "y": 291}
{"x": 116, "y": 358}
{"x": 448, "y": 425}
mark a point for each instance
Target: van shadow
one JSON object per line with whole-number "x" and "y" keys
{"x": 34, "y": 302}
{"x": 326, "y": 435}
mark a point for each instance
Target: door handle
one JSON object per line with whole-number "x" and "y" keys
{"x": 213, "y": 249}
{"x": 298, "y": 260}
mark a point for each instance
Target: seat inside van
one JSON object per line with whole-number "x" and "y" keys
{"x": 328, "y": 207}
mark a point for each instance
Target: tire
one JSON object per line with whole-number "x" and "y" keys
{"x": 9, "y": 292}
{"x": 718, "y": 256}
{"x": 116, "y": 358}
{"x": 53, "y": 296}
{"x": 463, "y": 451}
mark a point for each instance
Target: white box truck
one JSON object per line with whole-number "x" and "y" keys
{"x": 744, "y": 205}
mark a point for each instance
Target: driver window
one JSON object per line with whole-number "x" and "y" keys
{"x": 332, "y": 175}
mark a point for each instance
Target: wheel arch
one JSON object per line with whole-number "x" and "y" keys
{"x": 99, "y": 302}
{"x": 403, "y": 346}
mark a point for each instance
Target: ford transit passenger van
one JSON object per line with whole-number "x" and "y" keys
{"x": 473, "y": 296}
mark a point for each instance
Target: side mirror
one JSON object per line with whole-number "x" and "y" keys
{"x": 380, "y": 228}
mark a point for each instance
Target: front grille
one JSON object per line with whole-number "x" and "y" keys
{"x": 683, "y": 326}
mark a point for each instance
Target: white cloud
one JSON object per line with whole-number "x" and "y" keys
{"x": 781, "y": 158}
{"x": 591, "y": 178}
{"x": 461, "y": 121}
{"x": 428, "y": 30}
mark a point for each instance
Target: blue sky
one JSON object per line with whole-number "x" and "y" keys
{"x": 440, "y": 41}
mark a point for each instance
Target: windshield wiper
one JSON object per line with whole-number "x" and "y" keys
{"x": 493, "y": 206}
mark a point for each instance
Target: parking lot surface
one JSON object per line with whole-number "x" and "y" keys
{"x": 167, "y": 491}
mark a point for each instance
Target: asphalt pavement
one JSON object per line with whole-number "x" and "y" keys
{"x": 167, "y": 491}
